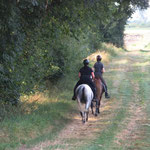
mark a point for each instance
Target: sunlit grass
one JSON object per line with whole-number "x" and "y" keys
{"x": 105, "y": 56}
{"x": 37, "y": 117}
{"x": 139, "y": 64}
{"x": 107, "y": 51}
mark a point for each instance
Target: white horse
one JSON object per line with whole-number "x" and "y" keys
{"x": 84, "y": 96}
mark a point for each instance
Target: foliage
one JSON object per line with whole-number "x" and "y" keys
{"x": 43, "y": 40}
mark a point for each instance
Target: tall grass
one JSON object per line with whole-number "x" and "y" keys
{"x": 34, "y": 120}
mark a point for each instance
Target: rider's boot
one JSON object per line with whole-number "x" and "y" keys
{"x": 107, "y": 95}
{"x": 74, "y": 98}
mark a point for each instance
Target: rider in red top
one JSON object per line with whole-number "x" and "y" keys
{"x": 98, "y": 71}
{"x": 86, "y": 75}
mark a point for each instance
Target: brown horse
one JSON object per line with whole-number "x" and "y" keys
{"x": 99, "y": 94}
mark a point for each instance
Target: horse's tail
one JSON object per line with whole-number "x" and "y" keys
{"x": 84, "y": 100}
{"x": 83, "y": 95}
{"x": 80, "y": 98}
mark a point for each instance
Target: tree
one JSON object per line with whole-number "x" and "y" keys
{"x": 46, "y": 39}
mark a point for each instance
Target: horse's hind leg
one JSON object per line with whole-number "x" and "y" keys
{"x": 87, "y": 113}
{"x": 99, "y": 104}
{"x": 81, "y": 114}
{"x": 83, "y": 118}
{"x": 97, "y": 109}
{"x": 92, "y": 108}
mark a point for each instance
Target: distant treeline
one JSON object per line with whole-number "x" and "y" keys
{"x": 46, "y": 39}
{"x": 138, "y": 25}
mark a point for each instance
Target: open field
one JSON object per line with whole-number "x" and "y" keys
{"x": 137, "y": 39}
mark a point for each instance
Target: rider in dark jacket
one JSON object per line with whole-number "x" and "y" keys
{"x": 98, "y": 71}
{"x": 86, "y": 74}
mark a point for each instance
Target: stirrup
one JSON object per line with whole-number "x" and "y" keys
{"x": 107, "y": 96}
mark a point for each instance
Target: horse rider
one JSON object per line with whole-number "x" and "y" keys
{"x": 86, "y": 75}
{"x": 98, "y": 72}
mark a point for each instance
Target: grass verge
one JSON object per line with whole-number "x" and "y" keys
{"x": 35, "y": 120}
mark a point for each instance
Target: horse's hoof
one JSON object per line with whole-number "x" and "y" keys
{"x": 83, "y": 122}
{"x": 95, "y": 115}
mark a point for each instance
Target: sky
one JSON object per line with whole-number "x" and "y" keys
{"x": 143, "y": 16}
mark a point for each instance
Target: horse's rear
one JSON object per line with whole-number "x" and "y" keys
{"x": 99, "y": 93}
{"x": 84, "y": 97}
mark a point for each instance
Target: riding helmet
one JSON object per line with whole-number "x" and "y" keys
{"x": 85, "y": 61}
{"x": 99, "y": 58}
